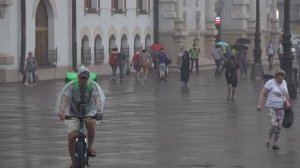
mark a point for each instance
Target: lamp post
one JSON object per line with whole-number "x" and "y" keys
{"x": 287, "y": 61}
{"x": 257, "y": 70}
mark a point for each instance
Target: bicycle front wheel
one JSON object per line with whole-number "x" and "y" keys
{"x": 80, "y": 154}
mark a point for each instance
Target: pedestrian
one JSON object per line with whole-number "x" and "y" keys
{"x": 113, "y": 62}
{"x": 168, "y": 62}
{"x": 276, "y": 96}
{"x": 242, "y": 61}
{"x": 194, "y": 55}
{"x": 146, "y": 60}
{"x": 121, "y": 61}
{"x": 280, "y": 53}
{"x": 185, "y": 68}
{"x": 31, "y": 69}
{"x": 270, "y": 52}
{"x": 136, "y": 62}
{"x": 232, "y": 73}
{"x": 162, "y": 64}
{"x": 218, "y": 56}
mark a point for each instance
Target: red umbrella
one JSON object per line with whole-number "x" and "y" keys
{"x": 156, "y": 47}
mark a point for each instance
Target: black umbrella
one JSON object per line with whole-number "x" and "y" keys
{"x": 243, "y": 41}
{"x": 240, "y": 47}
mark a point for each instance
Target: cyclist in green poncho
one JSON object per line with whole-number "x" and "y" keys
{"x": 80, "y": 91}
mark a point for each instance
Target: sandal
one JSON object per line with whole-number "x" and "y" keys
{"x": 92, "y": 153}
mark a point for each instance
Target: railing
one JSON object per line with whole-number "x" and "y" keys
{"x": 53, "y": 57}
{"x": 99, "y": 56}
{"x": 138, "y": 49}
{"x": 86, "y": 56}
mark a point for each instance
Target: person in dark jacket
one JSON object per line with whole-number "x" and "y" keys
{"x": 185, "y": 68}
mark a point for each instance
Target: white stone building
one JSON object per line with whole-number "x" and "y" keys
{"x": 239, "y": 19}
{"x": 184, "y": 22}
{"x": 101, "y": 25}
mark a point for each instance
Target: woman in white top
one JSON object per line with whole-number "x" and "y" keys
{"x": 275, "y": 94}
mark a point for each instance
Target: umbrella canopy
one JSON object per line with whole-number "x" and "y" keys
{"x": 240, "y": 47}
{"x": 222, "y": 44}
{"x": 156, "y": 47}
{"x": 243, "y": 41}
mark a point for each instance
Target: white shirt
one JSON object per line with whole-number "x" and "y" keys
{"x": 277, "y": 93}
{"x": 270, "y": 49}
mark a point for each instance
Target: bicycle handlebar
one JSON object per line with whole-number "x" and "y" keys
{"x": 98, "y": 117}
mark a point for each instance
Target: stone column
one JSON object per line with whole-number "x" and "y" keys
{"x": 275, "y": 29}
{"x": 211, "y": 31}
{"x": 180, "y": 30}
{"x": 251, "y": 28}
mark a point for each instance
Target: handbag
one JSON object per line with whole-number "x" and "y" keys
{"x": 288, "y": 118}
{"x": 127, "y": 71}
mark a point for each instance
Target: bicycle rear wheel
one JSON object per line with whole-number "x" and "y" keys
{"x": 80, "y": 154}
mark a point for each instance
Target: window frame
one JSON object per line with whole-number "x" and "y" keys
{"x": 118, "y": 10}
{"x": 139, "y": 7}
{"x": 88, "y": 8}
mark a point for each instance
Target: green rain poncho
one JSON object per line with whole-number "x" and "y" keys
{"x": 69, "y": 97}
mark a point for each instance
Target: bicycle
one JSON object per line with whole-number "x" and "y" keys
{"x": 81, "y": 154}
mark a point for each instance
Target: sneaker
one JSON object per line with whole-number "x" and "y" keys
{"x": 276, "y": 147}
{"x": 26, "y": 84}
{"x": 34, "y": 84}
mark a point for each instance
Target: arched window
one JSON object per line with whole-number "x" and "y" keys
{"x": 148, "y": 42}
{"x": 98, "y": 50}
{"x": 86, "y": 54}
{"x": 112, "y": 43}
{"x": 124, "y": 45}
{"x": 137, "y": 43}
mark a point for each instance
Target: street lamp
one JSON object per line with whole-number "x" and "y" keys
{"x": 257, "y": 70}
{"x": 287, "y": 61}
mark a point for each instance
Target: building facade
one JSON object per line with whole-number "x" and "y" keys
{"x": 239, "y": 19}
{"x": 101, "y": 26}
{"x": 183, "y": 23}
{"x": 295, "y": 15}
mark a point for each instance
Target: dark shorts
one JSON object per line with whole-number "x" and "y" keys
{"x": 232, "y": 82}
{"x": 137, "y": 67}
{"x": 270, "y": 55}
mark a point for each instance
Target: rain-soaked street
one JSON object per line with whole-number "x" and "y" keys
{"x": 151, "y": 125}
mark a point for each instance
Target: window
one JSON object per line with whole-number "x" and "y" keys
{"x": 98, "y": 51}
{"x": 86, "y": 54}
{"x": 148, "y": 42}
{"x": 198, "y": 16}
{"x": 118, "y": 6}
{"x": 184, "y": 2}
{"x": 92, "y": 6}
{"x": 197, "y": 3}
{"x": 184, "y": 15}
{"x": 124, "y": 45}
{"x": 143, "y": 6}
{"x": 137, "y": 43}
{"x": 112, "y": 43}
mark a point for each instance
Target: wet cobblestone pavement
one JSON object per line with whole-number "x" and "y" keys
{"x": 148, "y": 125}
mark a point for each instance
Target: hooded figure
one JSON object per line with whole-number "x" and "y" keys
{"x": 185, "y": 68}
{"x": 80, "y": 91}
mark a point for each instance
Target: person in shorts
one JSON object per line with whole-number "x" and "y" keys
{"x": 232, "y": 73}
{"x": 270, "y": 53}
